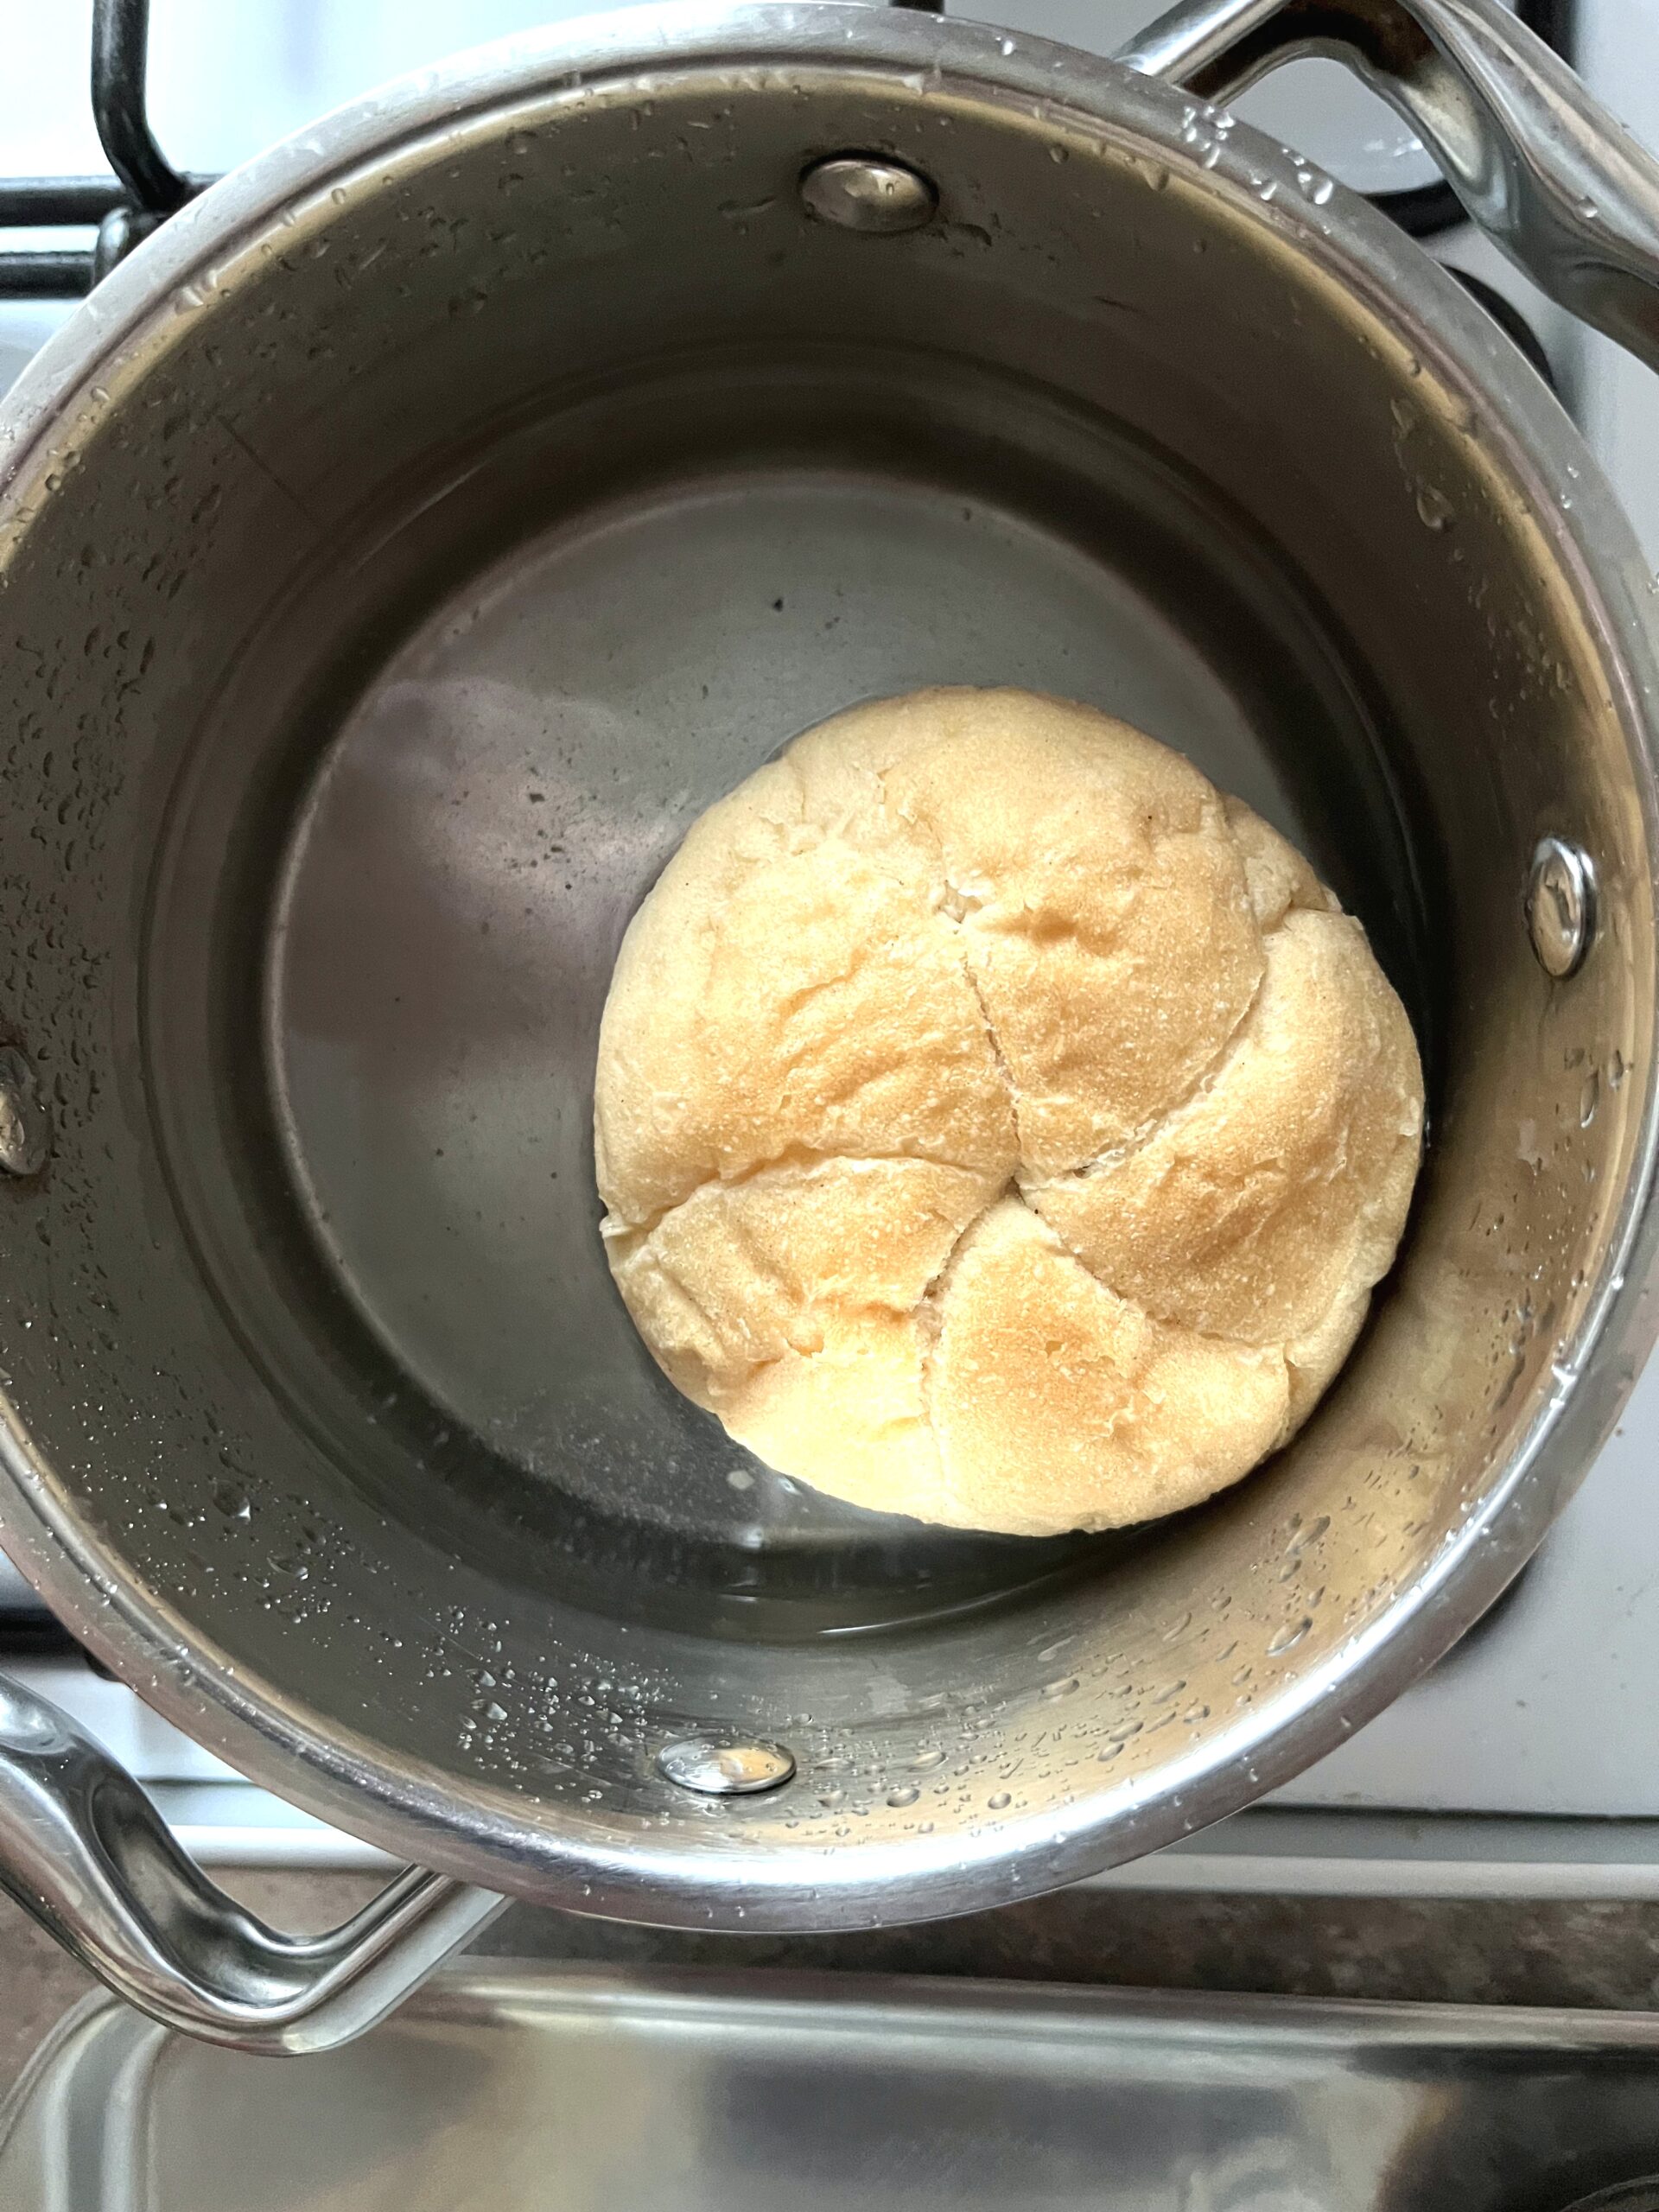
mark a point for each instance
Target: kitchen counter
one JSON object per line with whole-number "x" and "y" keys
{"x": 1442, "y": 1950}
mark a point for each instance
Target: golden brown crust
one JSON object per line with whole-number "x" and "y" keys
{"x": 1251, "y": 1209}
{"x": 996, "y": 1125}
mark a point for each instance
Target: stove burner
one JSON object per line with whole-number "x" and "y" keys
{"x": 33, "y": 1633}
{"x": 1639, "y": 2196}
{"x": 1477, "y": 1633}
{"x": 1510, "y": 320}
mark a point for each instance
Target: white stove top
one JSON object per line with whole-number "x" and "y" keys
{"x": 1547, "y": 1713}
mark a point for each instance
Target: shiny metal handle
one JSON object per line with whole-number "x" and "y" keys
{"x": 1552, "y": 178}
{"x": 84, "y": 1850}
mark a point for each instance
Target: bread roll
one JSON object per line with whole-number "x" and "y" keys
{"x": 996, "y": 1125}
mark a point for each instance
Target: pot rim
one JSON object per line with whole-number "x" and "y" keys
{"x": 483, "y": 1835}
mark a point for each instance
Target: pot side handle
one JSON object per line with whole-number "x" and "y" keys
{"x": 1551, "y": 177}
{"x": 84, "y": 1850}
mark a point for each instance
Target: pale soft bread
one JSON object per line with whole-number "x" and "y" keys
{"x": 995, "y": 1124}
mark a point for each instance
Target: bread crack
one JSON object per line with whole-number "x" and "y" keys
{"x": 626, "y": 1235}
{"x": 1064, "y": 1243}
{"x": 1226, "y": 1053}
{"x": 994, "y": 1041}
{"x": 929, "y": 1317}
{"x": 1114, "y": 1155}
{"x": 957, "y": 904}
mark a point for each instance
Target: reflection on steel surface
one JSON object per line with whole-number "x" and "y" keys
{"x": 1543, "y": 169}
{"x": 85, "y": 1851}
{"x": 532, "y": 2091}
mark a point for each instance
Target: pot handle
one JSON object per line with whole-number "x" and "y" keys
{"x": 84, "y": 1850}
{"x": 1551, "y": 177}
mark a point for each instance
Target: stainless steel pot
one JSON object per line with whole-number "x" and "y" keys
{"x": 398, "y": 551}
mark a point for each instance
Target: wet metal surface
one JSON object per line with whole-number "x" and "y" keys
{"x": 530, "y": 2090}
{"x": 24, "y": 1136}
{"x": 501, "y": 438}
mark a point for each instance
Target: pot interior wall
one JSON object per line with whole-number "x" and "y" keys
{"x": 409, "y": 586}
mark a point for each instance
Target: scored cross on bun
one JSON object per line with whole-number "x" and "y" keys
{"x": 996, "y": 1125}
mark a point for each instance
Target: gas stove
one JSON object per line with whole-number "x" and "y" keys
{"x": 1527, "y": 1762}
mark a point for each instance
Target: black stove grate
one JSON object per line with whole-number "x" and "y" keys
{"x": 144, "y": 187}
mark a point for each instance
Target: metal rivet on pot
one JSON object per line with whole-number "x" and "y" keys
{"x": 1561, "y": 905}
{"x": 22, "y": 1116}
{"x": 865, "y": 192}
{"x": 717, "y": 1768}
